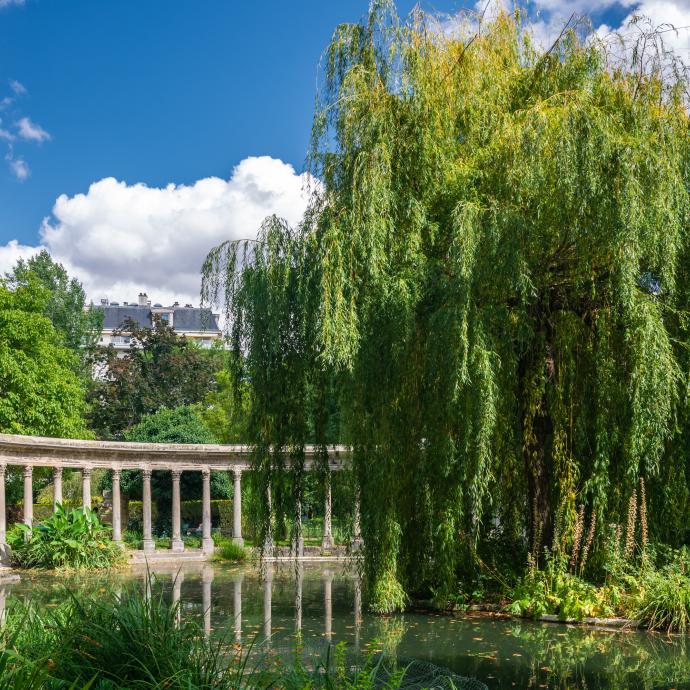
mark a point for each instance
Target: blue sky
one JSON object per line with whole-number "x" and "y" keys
{"x": 168, "y": 91}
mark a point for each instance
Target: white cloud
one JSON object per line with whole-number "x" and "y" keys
{"x": 17, "y": 87}
{"x": 31, "y": 131}
{"x": 11, "y": 252}
{"x": 120, "y": 239}
{"x": 9, "y": 3}
{"x": 5, "y": 134}
{"x": 19, "y": 167}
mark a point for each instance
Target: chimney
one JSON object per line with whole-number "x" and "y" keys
{"x": 104, "y": 301}
{"x": 177, "y": 304}
{"x": 143, "y": 299}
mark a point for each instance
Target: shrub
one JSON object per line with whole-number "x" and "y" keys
{"x": 229, "y": 551}
{"x": 67, "y": 539}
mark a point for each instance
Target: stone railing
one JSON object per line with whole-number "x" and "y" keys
{"x": 58, "y": 453}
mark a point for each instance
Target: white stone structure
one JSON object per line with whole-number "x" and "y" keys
{"x": 58, "y": 453}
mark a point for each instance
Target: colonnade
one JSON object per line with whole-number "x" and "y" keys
{"x": 116, "y": 456}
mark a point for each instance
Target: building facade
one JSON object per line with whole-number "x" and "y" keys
{"x": 197, "y": 325}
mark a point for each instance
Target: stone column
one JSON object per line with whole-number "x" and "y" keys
{"x": 86, "y": 487}
{"x": 149, "y": 546}
{"x": 327, "y": 541}
{"x": 177, "y": 544}
{"x": 328, "y": 603}
{"x": 57, "y": 487}
{"x": 28, "y": 496}
{"x": 207, "y": 541}
{"x": 237, "y": 508}
{"x": 4, "y": 549}
{"x": 3, "y": 610}
{"x": 299, "y": 573}
{"x": 237, "y": 606}
{"x": 298, "y": 543}
{"x": 117, "y": 508}
{"x": 206, "y": 580}
{"x": 268, "y": 604}
{"x": 177, "y": 596}
{"x": 356, "y": 525}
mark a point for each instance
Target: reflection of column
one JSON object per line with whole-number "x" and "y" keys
{"x": 328, "y": 603}
{"x": 57, "y": 487}
{"x": 299, "y": 574}
{"x": 237, "y": 508}
{"x": 207, "y": 541}
{"x": 177, "y": 596}
{"x": 206, "y": 580}
{"x": 177, "y": 544}
{"x": 268, "y": 539}
{"x": 358, "y": 609}
{"x": 86, "y": 487}
{"x": 117, "y": 508}
{"x": 356, "y": 524}
{"x": 28, "y": 496}
{"x": 327, "y": 541}
{"x": 148, "y": 583}
{"x": 268, "y": 584}
{"x": 149, "y": 546}
{"x": 237, "y": 607}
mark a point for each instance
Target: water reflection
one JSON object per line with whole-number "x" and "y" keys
{"x": 287, "y": 602}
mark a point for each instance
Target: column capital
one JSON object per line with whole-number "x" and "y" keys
{"x": 205, "y": 472}
{"x": 3, "y": 469}
{"x": 86, "y": 471}
{"x": 176, "y": 473}
{"x": 28, "y": 470}
{"x": 237, "y": 472}
{"x": 146, "y": 472}
{"x": 57, "y": 471}
{"x": 116, "y": 472}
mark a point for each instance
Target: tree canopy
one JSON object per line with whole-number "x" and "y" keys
{"x": 162, "y": 370}
{"x": 41, "y": 393}
{"x": 493, "y": 272}
{"x": 64, "y": 305}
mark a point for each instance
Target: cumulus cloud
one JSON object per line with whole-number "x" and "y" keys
{"x": 31, "y": 131}
{"x": 120, "y": 239}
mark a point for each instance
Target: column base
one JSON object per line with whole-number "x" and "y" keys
{"x": 207, "y": 545}
{"x": 119, "y": 543}
{"x": 177, "y": 545}
{"x": 327, "y": 542}
{"x": 149, "y": 546}
{"x": 5, "y": 556}
{"x": 238, "y": 540}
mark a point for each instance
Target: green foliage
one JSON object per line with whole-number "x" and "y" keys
{"x": 226, "y": 409}
{"x": 494, "y": 273}
{"x": 65, "y": 305}
{"x": 227, "y": 550}
{"x": 67, "y": 539}
{"x": 162, "y": 370}
{"x": 40, "y": 392}
{"x": 554, "y": 590}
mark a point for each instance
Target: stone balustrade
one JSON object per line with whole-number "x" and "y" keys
{"x": 57, "y": 453}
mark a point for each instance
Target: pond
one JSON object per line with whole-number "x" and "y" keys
{"x": 245, "y": 605}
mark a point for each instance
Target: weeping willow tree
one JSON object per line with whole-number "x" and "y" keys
{"x": 494, "y": 271}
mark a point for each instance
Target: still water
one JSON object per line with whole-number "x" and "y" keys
{"x": 266, "y": 608}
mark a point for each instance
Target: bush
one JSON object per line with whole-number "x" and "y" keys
{"x": 229, "y": 551}
{"x": 67, "y": 539}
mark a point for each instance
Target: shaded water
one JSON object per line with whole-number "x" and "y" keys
{"x": 325, "y": 603}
